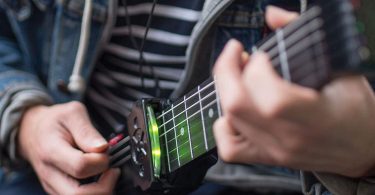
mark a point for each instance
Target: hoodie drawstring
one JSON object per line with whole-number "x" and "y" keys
{"x": 76, "y": 82}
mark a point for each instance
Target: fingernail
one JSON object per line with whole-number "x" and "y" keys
{"x": 232, "y": 42}
{"x": 245, "y": 57}
{"x": 278, "y": 10}
{"x": 99, "y": 143}
{"x": 273, "y": 8}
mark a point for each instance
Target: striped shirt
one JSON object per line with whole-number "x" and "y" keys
{"x": 118, "y": 80}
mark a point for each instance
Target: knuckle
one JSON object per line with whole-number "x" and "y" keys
{"x": 79, "y": 169}
{"x": 235, "y": 104}
{"x": 45, "y": 158}
{"x": 228, "y": 153}
{"x": 43, "y": 173}
{"x": 75, "y": 106}
{"x": 275, "y": 107}
{"x": 43, "y": 153}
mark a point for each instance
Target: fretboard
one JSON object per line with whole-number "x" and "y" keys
{"x": 298, "y": 53}
{"x": 186, "y": 127}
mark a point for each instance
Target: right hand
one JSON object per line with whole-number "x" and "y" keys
{"x": 62, "y": 146}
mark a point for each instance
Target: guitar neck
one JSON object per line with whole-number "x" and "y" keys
{"x": 186, "y": 126}
{"x": 302, "y": 53}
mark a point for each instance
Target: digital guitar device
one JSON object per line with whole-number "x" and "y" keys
{"x": 168, "y": 144}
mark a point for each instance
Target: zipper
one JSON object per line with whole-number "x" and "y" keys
{"x": 212, "y": 10}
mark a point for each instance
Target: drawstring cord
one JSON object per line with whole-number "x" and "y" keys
{"x": 76, "y": 81}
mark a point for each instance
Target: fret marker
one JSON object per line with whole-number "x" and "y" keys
{"x": 182, "y": 131}
{"x": 211, "y": 113}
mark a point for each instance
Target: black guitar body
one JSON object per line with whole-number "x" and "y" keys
{"x": 138, "y": 172}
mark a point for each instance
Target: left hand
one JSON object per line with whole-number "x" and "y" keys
{"x": 270, "y": 121}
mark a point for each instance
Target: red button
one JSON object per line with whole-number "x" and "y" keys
{"x": 116, "y": 139}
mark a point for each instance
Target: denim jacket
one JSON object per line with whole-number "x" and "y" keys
{"x": 39, "y": 42}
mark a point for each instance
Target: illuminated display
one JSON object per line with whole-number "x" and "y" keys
{"x": 153, "y": 131}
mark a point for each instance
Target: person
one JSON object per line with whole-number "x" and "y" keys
{"x": 268, "y": 121}
{"x": 104, "y": 44}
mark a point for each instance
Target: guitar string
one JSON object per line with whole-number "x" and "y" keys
{"x": 272, "y": 42}
{"x": 172, "y": 149}
{"x": 169, "y": 130}
{"x": 300, "y": 35}
{"x": 183, "y": 111}
{"x": 321, "y": 54}
{"x": 317, "y": 24}
{"x": 205, "y": 87}
{"x": 204, "y": 108}
{"x": 307, "y": 72}
{"x": 286, "y": 40}
{"x": 304, "y": 77}
{"x": 328, "y": 32}
{"x": 308, "y": 17}
{"x": 215, "y": 100}
{"x": 210, "y": 84}
{"x": 200, "y": 144}
{"x": 312, "y": 14}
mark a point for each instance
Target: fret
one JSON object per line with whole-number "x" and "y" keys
{"x": 175, "y": 135}
{"x": 283, "y": 55}
{"x": 195, "y": 123}
{"x": 182, "y": 133}
{"x": 188, "y": 128}
{"x": 166, "y": 141}
{"x": 170, "y": 140}
{"x": 210, "y": 113}
{"x": 204, "y": 128}
{"x": 218, "y": 99}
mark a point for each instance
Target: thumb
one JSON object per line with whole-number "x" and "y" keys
{"x": 277, "y": 17}
{"x": 78, "y": 123}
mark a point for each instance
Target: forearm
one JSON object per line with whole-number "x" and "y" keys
{"x": 20, "y": 88}
{"x": 13, "y": 104}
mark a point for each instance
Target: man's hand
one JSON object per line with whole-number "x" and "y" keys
{"x": 268, "y": 120}
{"x": 63, "y": 146}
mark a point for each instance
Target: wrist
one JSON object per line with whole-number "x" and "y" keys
{"x": 28, "y": 124}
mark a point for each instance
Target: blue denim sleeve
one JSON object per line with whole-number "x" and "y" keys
{"x": 19, "y": 89}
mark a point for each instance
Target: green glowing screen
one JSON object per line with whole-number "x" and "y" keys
{"x": 153, "y": 131}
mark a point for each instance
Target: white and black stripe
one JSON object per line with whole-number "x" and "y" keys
{"x": 116, "y": 81}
